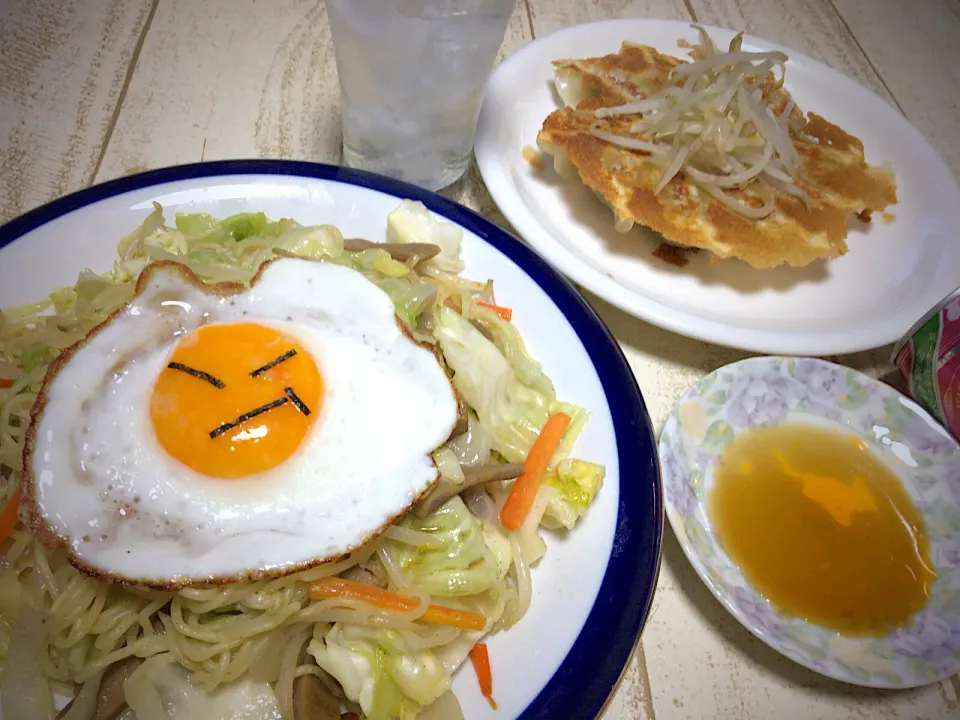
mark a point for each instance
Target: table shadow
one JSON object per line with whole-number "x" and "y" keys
{"x": 684, "y": 352}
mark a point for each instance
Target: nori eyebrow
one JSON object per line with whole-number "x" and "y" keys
{"x": 295, "y": 399}
{"x": 247, "y": 416}
{"x": 199, "y": 374}
{"x": 273, "y": 363}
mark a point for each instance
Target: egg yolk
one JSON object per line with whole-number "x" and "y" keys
{"x": 235, "y": 400}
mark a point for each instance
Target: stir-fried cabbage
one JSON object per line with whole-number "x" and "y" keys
{"x": 511, "y": 411}
{"x": 381, "y": 671}
{"x": 509, "y": 342}
{"x": 497, "y": 545}
{"x": 409, "y": 300}
{"x": 578, "y": 420}
{"x": 232, "y": 249}
{"x": 159, "y": 689}
{"x": 460, "y": 564}
{"x": 411, "y": 222}
{"x": 578, "y": 483}
{"x": 507, "y": 388}
{"x": 472, "y": 447}
{"x": 448, "y": 464}
{"x": 380, "y": 263}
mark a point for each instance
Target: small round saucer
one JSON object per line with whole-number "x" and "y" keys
{"x": 771, "y": 390}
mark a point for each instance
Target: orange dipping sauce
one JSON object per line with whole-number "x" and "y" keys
{"x": 822, "y": 528}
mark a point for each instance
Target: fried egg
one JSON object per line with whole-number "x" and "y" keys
{"x": 220, "y": 433}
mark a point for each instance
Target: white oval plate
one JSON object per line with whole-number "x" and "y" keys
{"x": 768, "y": 391}
{"x": 893, "y": 273}
{"x": 592, "y": 590}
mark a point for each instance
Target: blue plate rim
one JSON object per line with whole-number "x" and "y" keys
{"x": 591, "y": 670}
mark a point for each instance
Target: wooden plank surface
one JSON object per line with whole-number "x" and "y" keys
{"x": 94, "y": 89}
{"x": 548, "y": 16}
{"x": 915, "y": 47}
{"x": 258, "y": 94}
{"x": 63, "y": 65}
{"x": 215, "y": 83}
{"x": 811, "y": 26}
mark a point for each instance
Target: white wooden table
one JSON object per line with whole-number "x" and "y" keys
{"x": 94, "y": 89}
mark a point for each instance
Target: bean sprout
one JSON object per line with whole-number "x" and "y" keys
{"x": 716, "y": 126}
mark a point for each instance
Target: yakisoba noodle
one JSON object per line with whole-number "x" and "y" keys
{"x": 224, "y": 633}
{"x": 215, "y": 651}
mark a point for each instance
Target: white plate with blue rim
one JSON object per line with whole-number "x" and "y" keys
{"x": 593, "y": 589}
{"x": 894, "y": 272}
{"x": 768, "y": 391}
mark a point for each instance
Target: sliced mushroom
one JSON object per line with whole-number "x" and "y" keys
{"x": 425, "y": 323}
{"x": 472, "y": 477}
{"x": 492, "y": 472}
{"x": 111, "y": 701}
{"x": 479, "y": 502}
{"x": 401, "y": 252}
{"x": 463, "y": 421}
{"x": 362, "y": 575}
{"x": 312, "y": 699}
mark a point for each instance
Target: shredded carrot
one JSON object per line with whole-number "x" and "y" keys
{"x": 334, "y": 587}
{"x": 504, "y": 313}
{"x": 9, "y": 515}
{"x": 481, "y": 664}
{"x": 524, "y": 490}
{"x": 5, "y": 383}
{"x": 463, "y": 619}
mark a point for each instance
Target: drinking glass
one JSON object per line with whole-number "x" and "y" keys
{"x": 412, "y": 75}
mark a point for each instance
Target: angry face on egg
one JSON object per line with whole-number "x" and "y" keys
{"x": 220, "y": 433}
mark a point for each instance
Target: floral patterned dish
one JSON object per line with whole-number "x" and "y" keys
{"x": 769, "y": 391}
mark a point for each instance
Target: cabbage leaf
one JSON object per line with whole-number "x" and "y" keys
{"x": 578, "y": 483}
{"x": 411, "y": 222}
{"x": 461, "y": 566}
{"x": 511, "y": 411}
{"x": 380, "y": 671}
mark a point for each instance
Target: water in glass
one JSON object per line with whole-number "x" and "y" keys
{"x": 412, "y": 74}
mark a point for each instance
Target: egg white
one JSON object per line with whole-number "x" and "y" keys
{"x": 125, "y": 509}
